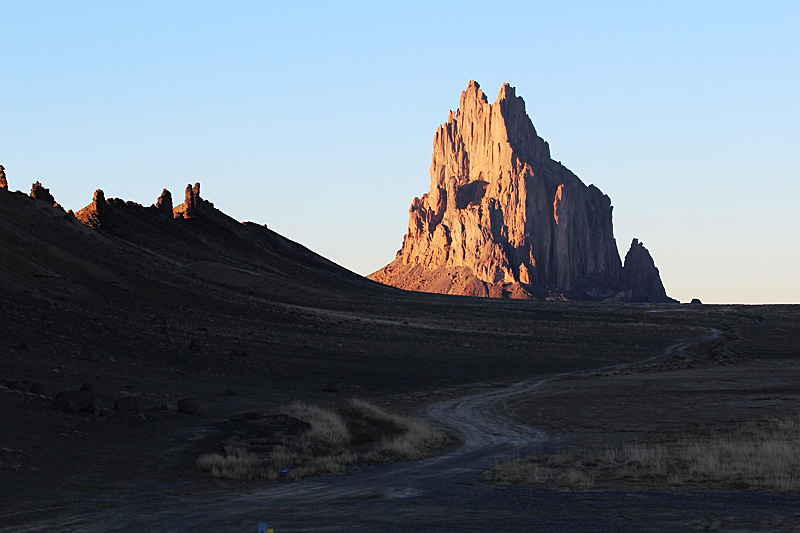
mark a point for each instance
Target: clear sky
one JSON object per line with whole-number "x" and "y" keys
{"x": 317, "y": 119}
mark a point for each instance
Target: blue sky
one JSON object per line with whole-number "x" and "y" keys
{"x": 317, "y": 118}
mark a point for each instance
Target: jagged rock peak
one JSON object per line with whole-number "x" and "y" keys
{"x": 192, "y": 194}
{"x": 41, "y": 193}
{"x": 192, "y": 204}
{"x": 164, "y": 203}
{"x": 93, "y": 214}
{"x": 3, "y": 180}
{"x": 501, "y": 217}
{"x": 642, "y": 276}
{"x": 506, "y": 121}
{"x": 114, "y": 212}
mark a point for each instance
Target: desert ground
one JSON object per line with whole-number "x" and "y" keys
{"x": 162, "y": 315}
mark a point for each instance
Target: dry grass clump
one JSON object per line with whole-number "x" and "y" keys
{"x": 236, "y": 463}
{"x": 327, "y": 426}
{"x": 764, "y": 455}
{"x": 325, "y": 447}
{"x": 413, "y": 437}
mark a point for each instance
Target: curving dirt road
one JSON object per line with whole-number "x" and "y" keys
{"x": 443, "y": 493}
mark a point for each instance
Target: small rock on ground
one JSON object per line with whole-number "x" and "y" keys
{"x": 188, "y": 406}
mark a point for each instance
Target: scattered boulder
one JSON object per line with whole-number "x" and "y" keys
{"x": 3, "y": 180}
{"x": 331, "y": 387}
{"x": 82, "y": 400}
{"x": 22, "y": 346}
{"x": 36, "y": 388}
{"x": 16, "y": 385}
{"x": 40, "y": 193}
{"x": 195, "y": 347}
{"x": 128, "y": 404}
{"x": 230, "y": 392}
{"x": 696, "y": 301}
{"x": 188, "y": 406}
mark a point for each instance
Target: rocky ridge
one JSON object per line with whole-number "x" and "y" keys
{"x": 502, "y": 219}
{"x": 40, "y": 193}
{"x": 102, "y": 212}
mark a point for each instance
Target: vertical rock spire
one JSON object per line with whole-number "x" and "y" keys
{"x": 642, "y": 276}
{"x": 164, "y": 203}
{"x": 94, "y": 214}
{"x": 192, "y": 205}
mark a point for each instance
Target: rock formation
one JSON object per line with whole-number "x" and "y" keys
{"x": 93, "y": 214}
{"x": 164, "y": 203}
{"x": 641, "y": 275}
{"x": 503, "y": 219}
{"x": 102, "y": 212}
{"x": 3, "y": 180}
{"x": 40, "y": 193}
{"x": 191, "y": 207}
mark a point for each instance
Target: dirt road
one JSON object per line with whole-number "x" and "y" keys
{"x": 443, "y": 493}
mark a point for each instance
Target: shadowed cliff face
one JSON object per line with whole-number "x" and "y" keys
{"x": 503, "y": 219}
{"x": 641, "y": 274}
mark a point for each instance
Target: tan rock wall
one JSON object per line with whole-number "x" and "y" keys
{"x": 499, "y": 206}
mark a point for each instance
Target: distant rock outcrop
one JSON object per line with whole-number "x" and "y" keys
{"x": 102, "y": 212}
{"x": 503, "y": 219}
{"x": 191, "y": 207}
{"x": 40, "y": 193}
{"x": 164, "y": 203}
{"x": 3, "y": 180}
{"x": 641, "y": 275}
{"x": 92, "y": 214}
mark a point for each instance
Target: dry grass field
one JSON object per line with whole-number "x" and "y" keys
{"x": 760, "y": 454}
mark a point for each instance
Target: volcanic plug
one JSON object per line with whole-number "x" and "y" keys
{"x": 502, "y": 219}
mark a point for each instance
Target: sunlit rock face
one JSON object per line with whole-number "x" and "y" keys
{"x": 39, "y": 192}
{"x": 115, "y": 212}
{"x": 502, "y": 218}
